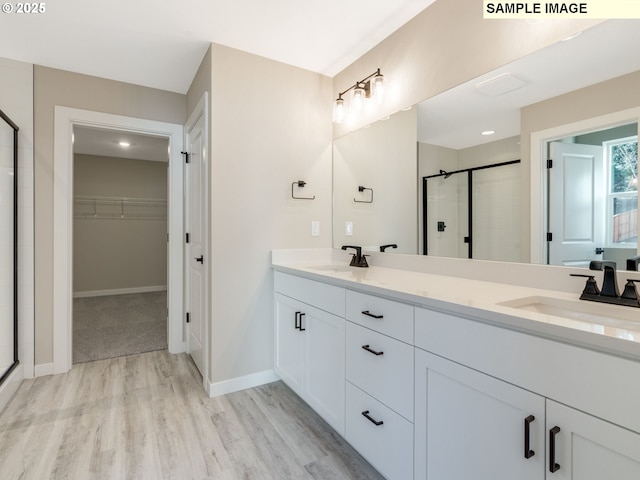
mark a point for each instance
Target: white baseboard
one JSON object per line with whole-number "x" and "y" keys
{"x": 43, "y": 370}
{"x": 242, "y": 383}
{"x": 119, "y": 291}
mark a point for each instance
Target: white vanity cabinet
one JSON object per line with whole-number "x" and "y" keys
{"x": 439, "y": 391}
{"x": 487, "y": 396}
{"x": 379, "y": 414}
{"x": 310, "y": 344}
{"x": 471, "y": 426}
{"x": 588, "y": 448}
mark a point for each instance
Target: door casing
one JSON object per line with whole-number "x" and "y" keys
{"x": 64, "y": 120}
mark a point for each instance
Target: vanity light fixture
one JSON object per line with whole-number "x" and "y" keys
{"x": 124, "y": 144}
{"x": 371, "y": 87}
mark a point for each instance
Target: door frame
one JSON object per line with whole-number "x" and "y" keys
{"x": 64, "y": 120}
{"x": 538, "y": 169}
{"x": 201, "y": 110}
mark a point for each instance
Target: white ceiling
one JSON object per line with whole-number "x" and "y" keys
{"x": 160, "y": 43}
{"x": 455, "y": 118}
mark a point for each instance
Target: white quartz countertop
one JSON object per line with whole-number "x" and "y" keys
{"x": 608, "y": 328}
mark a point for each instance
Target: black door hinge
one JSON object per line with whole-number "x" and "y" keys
{"x": 186, "y": 156}
{"x": 549, "y": 237}
{"x": 188, "y": 238}
{"x": 188, "y": 317}
{"x": 550, "y": 163}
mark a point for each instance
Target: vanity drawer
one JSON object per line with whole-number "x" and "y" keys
{"x": 388, "y": 446}
{"x": 388, "y": 375}
{"x": 320, "y": 295}
{"x": 385, "y": 316}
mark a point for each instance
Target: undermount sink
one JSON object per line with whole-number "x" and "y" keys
{"x": 579, "y": 310}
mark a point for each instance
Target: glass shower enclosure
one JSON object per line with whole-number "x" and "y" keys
{"x": 473, "y": 212}
{"x": 8, "y": 246}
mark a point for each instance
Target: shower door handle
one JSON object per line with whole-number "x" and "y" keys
{"x": 199, "y": 259}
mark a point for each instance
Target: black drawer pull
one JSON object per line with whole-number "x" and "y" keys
{"x": 553, "y": 466}
{"x": 369, "y": 314}
{"x": 368, "y": 349}
{"x": 302, "y": 314}
{"x": 297, "y": 325}
{"x": 528, "y": 453}
{"x": 377, "y": 423}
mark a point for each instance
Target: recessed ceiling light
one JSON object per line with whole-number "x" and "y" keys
{"x": 488, "y": 132}
{"x": 124, "y": 144}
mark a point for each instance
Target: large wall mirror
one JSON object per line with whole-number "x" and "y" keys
{"x": 444, "y": 185}
{"x": 8, "y": 248}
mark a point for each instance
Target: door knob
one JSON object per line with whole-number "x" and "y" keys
{"x": 199, "y": 259}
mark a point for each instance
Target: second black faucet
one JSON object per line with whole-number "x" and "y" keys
{"x": 358, "y": 260}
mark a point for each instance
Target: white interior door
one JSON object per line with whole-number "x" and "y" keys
{"x": 576, "y": 203}
{"x": 195, "y": 295}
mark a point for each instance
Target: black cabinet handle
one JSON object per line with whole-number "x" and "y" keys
{"x": 302, "y": 314}
{"x": 369, "y": 314}
{"x": 377, "y": 423}
{"x": 297, "y": 325}
{"x": 368, "y": 349}
{"x": 553, "y": 466}
{"x": 528, "y": 453}
{"x": 199, "y": 259}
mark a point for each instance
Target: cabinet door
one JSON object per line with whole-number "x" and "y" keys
{"x": 324, "y": 379}
{"x": 588, "y": 448}
{"x": 472, "y": 426}
{"x": 289, "y": 342}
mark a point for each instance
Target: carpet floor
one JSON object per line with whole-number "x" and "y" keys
{"x": 118, "y": 325}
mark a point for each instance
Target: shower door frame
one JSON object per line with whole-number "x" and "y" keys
{"x": 469, "y": 171}
{"x": 16, "y": 362}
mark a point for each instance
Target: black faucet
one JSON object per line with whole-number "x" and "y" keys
{"x": 632, "y": 263}
{"x": 358, "y": 260}
{"x": 609, "y": 282}
{"x": 391, "y": 245}
{"x": 609, "y": 292}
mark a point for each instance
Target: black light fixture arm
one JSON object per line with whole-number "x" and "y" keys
{"x": 361, "y": 82}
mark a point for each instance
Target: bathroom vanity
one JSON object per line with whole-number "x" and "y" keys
{"x": 444, "y": 377}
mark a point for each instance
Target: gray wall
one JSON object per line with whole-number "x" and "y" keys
{"x": 56, "y": 87}
{"x": 449, "y": 43}
{"x": 381, "y": 157}
{"x": 113, "y": 254}
{"x": 270, "y": 126}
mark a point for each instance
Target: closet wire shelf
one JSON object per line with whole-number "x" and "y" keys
{"x": 119, "y": 208}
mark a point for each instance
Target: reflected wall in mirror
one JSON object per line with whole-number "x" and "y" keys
{"x": 534, "y": 93}
{"x": 382, "y": 159}
{"x": 8, "y": 250}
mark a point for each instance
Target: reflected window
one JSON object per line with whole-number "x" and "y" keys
{"x": 622, "y": 192}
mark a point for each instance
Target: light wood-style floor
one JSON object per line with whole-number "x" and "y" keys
{"x": 147, "y": 417}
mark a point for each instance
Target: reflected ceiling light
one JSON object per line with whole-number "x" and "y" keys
{"x": 124, "y": 144}
{"x": 488, "y": 132}
{"x": 371, "y": 87}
